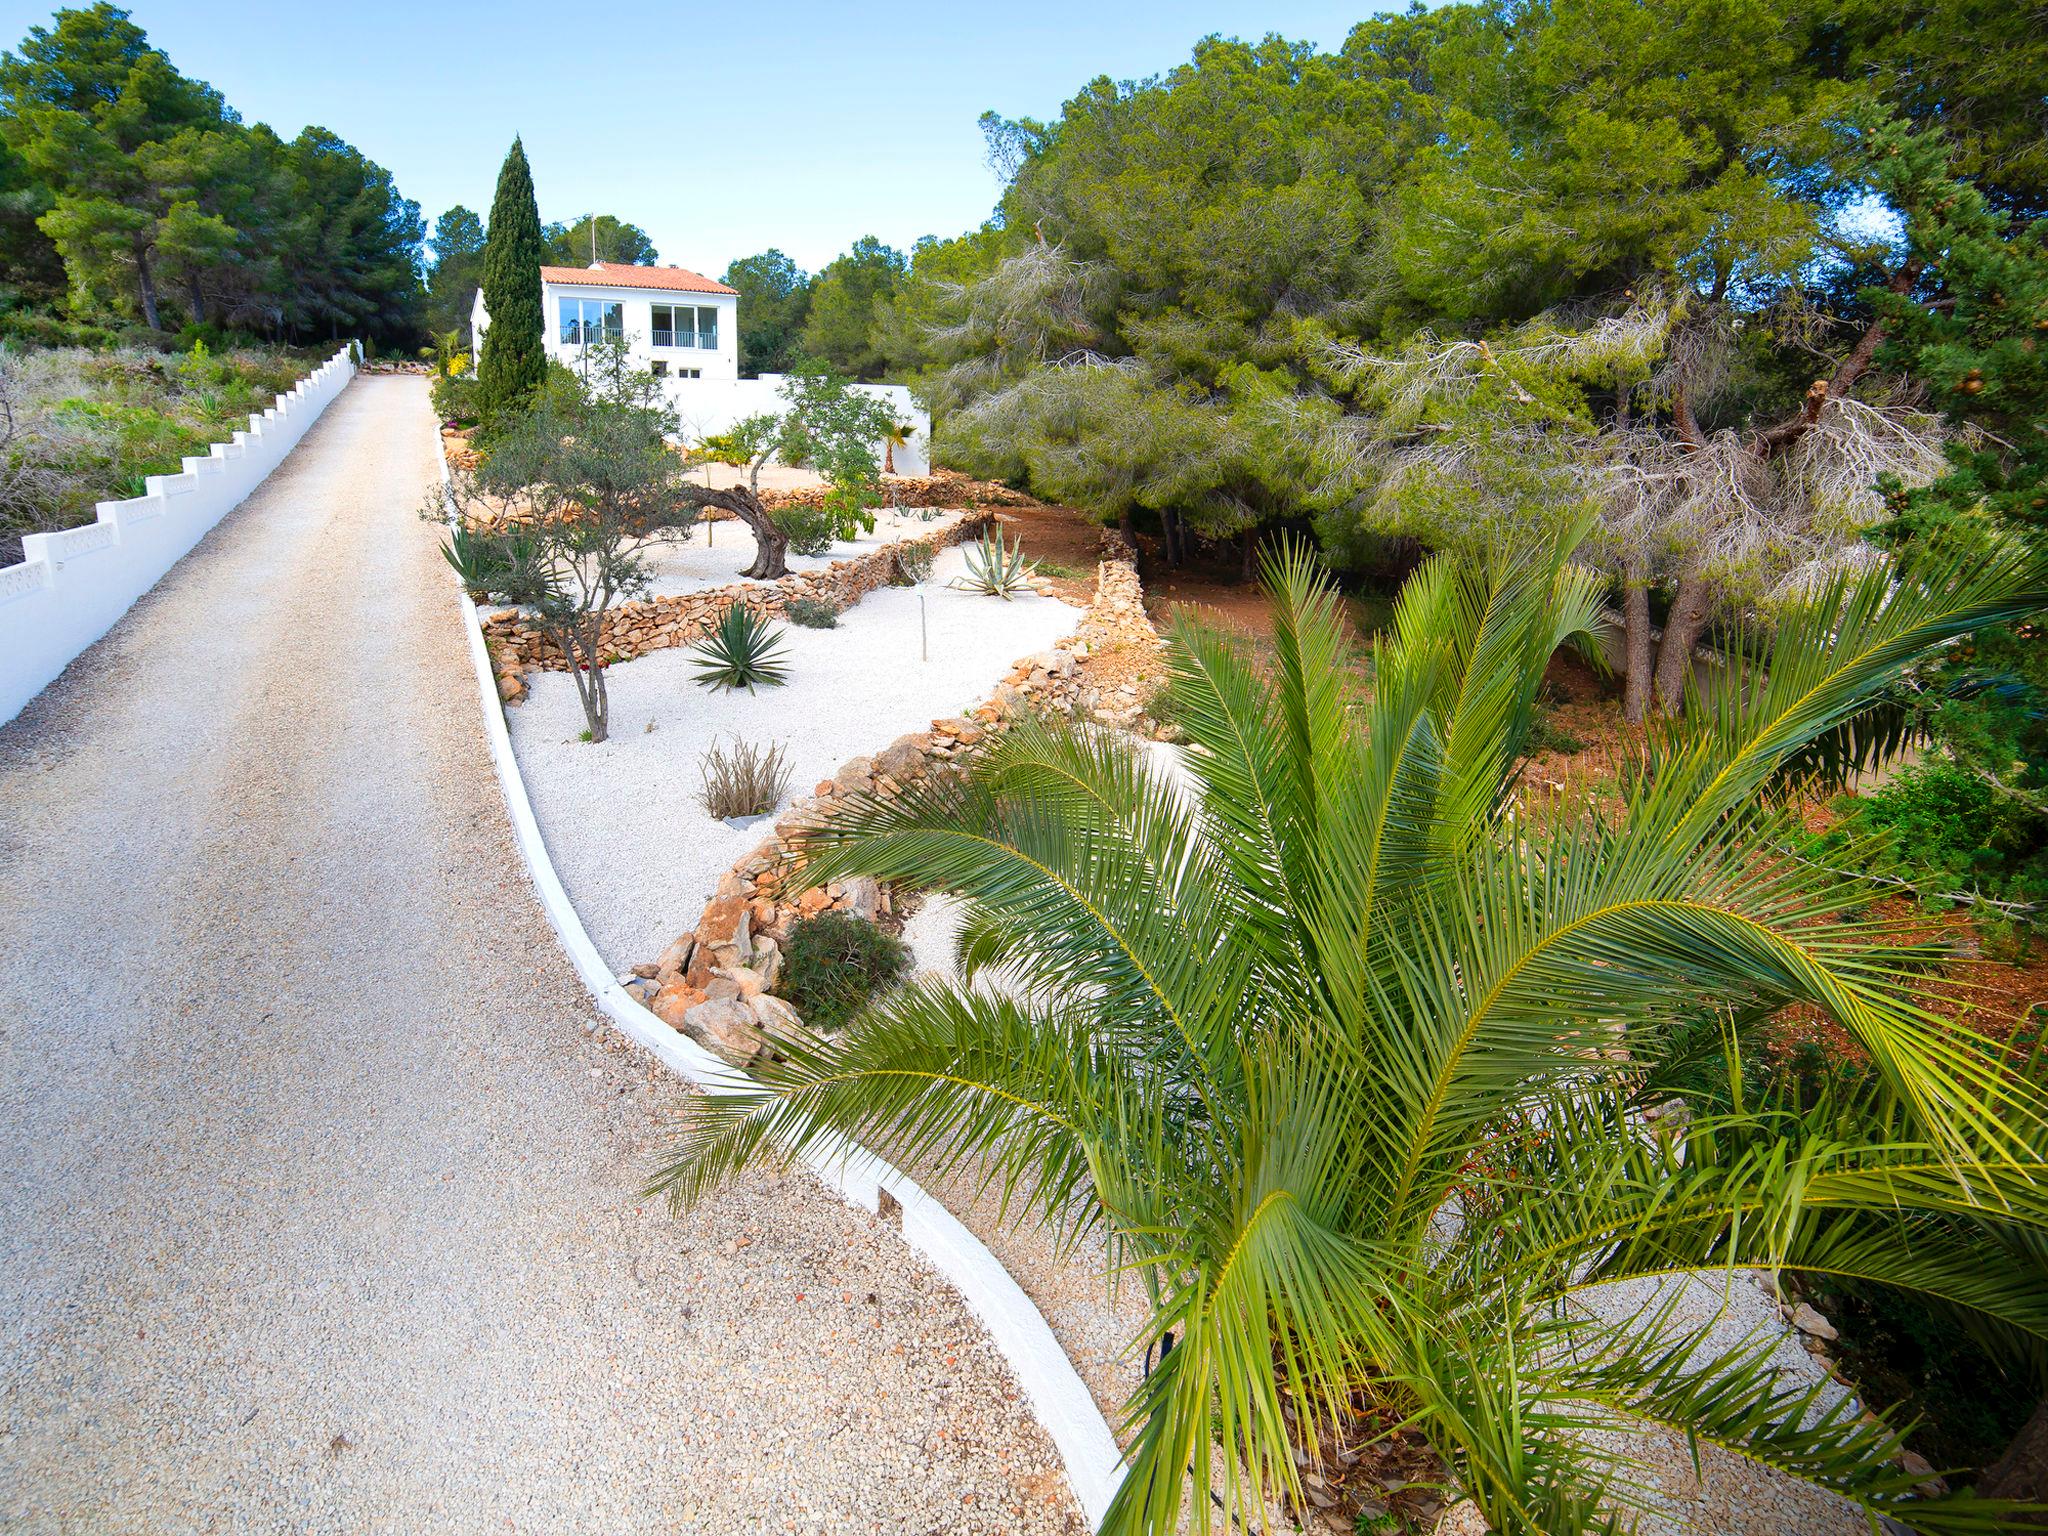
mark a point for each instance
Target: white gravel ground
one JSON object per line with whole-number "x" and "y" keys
{"x": 638, "y": 853}
{"x": 714, "y": 554}
{"x": 318, "y": 1171}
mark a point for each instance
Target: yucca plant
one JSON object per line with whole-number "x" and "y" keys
{"x": 995, "y": 568}
{"x": 743, "y": 650}
{"x": 1350, "y": 1063}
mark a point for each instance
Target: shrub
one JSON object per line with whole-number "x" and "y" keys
{"x": 913, "y": 563}
{"x": 834, "y": 962}
{"x": 744, "y": 781}
{"x": 742, "y": 651}
{"x": 1950, "y": 829}
{"x": 811, "y": 613}
{"x": 455, "y": 397}
{"x": 995, "y": 568}
{"x": 490, "y": 564}
{"x": 811, "y": 530}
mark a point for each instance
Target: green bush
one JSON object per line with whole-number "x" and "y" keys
{"x": 834, "y": 962}
{"x": 1951, "y": 829}
{"x": 812, "y": 613}
{"x": 455, "y": 397}
{"x": 811, "y": 530}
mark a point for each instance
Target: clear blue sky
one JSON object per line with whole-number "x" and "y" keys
{"x": 720, "y": 130}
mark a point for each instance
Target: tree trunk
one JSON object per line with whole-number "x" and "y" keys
{"x": 580, "y": 639}
{"x": 771, "y": 544}
{"x": 1248, "y": 544}
{"x": 145, "y": 283}
{"x": 197, "y": 299}
{"x": 1674, "y": 654}
{"x": 888, "y": 456}
{"x": 1635, "y": 624}
{"x": 2022, "y": 1472}
{"x": 1124, "y": 527}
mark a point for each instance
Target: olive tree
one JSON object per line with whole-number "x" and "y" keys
{"x": 828, "y": 425}
{"x": 558, "y": 516}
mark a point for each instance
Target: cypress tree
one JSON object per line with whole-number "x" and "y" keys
{"x": 510, "y": 372}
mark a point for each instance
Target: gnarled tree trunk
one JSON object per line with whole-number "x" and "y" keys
{"x": 771, "y": 544}
{"x": 1689, "y": 610}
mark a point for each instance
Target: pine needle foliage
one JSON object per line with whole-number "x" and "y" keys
{"x": 1326, "y": 1042}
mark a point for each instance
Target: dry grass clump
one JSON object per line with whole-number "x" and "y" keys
{"x": 743, "y": 780}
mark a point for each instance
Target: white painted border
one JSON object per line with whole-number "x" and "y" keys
{"x": 1059, "y": 1399}
{"x": 73, "y": 585}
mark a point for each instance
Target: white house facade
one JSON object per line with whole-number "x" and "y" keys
{"x": 677, "y": 323}
{"x": 684, "y": 328}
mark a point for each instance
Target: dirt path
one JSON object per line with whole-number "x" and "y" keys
{"x": 317, "y": 1173}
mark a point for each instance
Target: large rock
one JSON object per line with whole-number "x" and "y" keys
{"x": 855, "y": 773}
{"x": 676, "y": 958}
{"x": 862, "y": 896}
{"x": 674, "y": 1001}
{"x": 777, "y": 1017}
{"x": 767, "y": 962}
{"x": 727, "y": 922}
{"x": 726, "y": 1029}
{"x": 899, "y": 760}
{"x": 1811, "y": 1323}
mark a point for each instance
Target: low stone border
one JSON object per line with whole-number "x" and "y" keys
{"x": 713, "y": 983}
{"x": 1059, "y": 1399}
{"x": 660, "y": 623}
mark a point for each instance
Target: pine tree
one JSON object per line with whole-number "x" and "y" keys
{"x": 512, "y": 367}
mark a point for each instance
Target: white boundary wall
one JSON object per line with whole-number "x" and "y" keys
{"x": 1059, "y": 1399}
{"x": 72, "y": 586}
{"x": 706, "y": 406}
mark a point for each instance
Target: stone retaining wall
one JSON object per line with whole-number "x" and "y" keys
{"x": 713, "y": 982}
{"x": 658, "y": 623}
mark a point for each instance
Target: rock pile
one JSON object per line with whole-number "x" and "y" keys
{"x": 658, "y": 623}
{"x": 713, "y": 983}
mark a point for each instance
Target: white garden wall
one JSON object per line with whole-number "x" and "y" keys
{"x": 72, "y": 586}
{"x": 707, "y": 406}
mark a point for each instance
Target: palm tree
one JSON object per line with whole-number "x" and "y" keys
{"x": 897, "y": 436}
{"x": 1350, "y": 1062}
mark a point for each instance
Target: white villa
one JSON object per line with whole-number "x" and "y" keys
{"x": 684, "y": 328}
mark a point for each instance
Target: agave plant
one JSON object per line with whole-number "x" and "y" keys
{"x": 995, "y": 568}
{"x": 743, "y": 650}
{"x": 491, "y": 563}
{"x": 1352, "y": 1064}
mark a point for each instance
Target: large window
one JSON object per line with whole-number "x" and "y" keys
{"x": 686, "y": 325}
{"x": 585, "y": 320}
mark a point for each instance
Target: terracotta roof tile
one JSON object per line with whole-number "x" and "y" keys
{"x": 677, "y": 279}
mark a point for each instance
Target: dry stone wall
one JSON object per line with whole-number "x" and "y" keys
{"x": 714, "y": 983}
{"x": 658, "y": 623}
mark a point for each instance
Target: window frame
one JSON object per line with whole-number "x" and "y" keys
{"x": 610, "y": 319}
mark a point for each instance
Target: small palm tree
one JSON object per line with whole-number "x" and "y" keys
{"x": 897, "y": 436}
{"x": 1351, "y": 1064}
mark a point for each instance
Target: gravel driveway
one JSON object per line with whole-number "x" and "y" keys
{"x": 317, "y": 1173}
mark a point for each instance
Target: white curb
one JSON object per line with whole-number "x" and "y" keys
{"x": 1059, "y": 1399}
